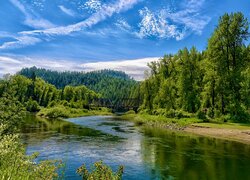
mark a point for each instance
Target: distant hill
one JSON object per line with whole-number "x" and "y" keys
{"x": 109, "y": 83}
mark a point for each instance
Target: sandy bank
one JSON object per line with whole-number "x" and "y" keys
{"x": 240, "y": 135}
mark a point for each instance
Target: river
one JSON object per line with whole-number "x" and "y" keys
{"x": 146, "y": 153}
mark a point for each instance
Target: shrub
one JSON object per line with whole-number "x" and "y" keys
{"x": 65, "y": 103}
{"x": 131, "y": 112}
{"x": 160, "y": 111}
{"x": 201, "y": 115}
{"x": 52, "y": 103}
{"x": 16, "y": 165}
{"x": 182, "y": 114}
{"x": 54, "y": 112}
{"x": 170, "y": 113}
{"x": 100, "y": 171}
{"x": 32, "y": 106}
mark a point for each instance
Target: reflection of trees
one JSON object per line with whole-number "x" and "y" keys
{"x": 42, "y": 128}
{"x": 194, "y": 157}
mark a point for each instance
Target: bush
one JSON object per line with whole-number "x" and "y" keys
{"x": 100, "y": 171}
{"x": 182, "y": 114}
{"x": 65, "y": 103}
{"x": 52, "y": 103}
{"x": 130, "y": 112}
{"x": 32, "y": 106}
{"x": 14, "y": 164}
{"x": 201, "y": 115}
{"x": 55, "y": 112}
{"x": 170, "y": 113}
{"x": 145, "y": 111}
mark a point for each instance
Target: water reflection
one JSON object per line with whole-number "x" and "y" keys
{"x": 146, "y": 153}
{"x": 182, "y": 156}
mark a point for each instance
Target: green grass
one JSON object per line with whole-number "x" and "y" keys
{"x": 239, "y": 126}
{"x": 61, "y": 111}
{"x": 159, "y": 121}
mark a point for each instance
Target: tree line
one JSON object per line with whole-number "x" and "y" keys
{"x": 214, "y": 83}
{"x": 35, "y": 93}
{"x": 110, "y": 84}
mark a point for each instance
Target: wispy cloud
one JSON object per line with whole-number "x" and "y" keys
{"x": 35, "y": 36}
{"x": 168, "y": 24}
{"x": 93, "y": 5}
{"x": 135, "y": 68}
{"x": 123, "y": 25}
{"x": 105, "y": 12}
{"x": 19, "y": 41}
{"x": 66, "y": 10}
{"x": 190, "y": 16}
{"x": 32, "y": 19}
{"x": 155, "y": 24}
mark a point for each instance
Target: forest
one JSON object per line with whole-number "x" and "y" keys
{"x": 113, "y": 85}
{"x": 213, "y": 84}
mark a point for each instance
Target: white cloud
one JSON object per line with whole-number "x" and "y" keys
{"x": 66, "y": 10}
{"x": 20, "y": 41}
{"x": 190, "y": 16}
{"x": 32, "y": 19}
{"x": 135, "y": 68}
{"x": 105, "y": 12}
{"x": 168, "y": 24}
{"x": 123, "y": 25}
{"x": 93, "y": 5}
{"x": 155, "y": 24}
{"x": 31, "y": 37}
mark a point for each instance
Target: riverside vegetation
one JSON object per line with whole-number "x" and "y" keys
{"x": 180, "y": 89}
{"x": 212, "y": 85}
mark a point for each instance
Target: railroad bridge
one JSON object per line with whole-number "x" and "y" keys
{"x": 117, "y": 105}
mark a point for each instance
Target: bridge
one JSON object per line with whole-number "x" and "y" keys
{"x": 117, "y": 105}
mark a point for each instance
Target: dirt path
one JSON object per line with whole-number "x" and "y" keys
{"x": 223, "y": 133}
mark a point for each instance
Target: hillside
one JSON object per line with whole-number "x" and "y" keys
{"x": 109, "y": 83}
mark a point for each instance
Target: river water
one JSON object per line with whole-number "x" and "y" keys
{"x": 146, "y": 153}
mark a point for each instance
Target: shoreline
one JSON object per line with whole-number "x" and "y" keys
{"x": 67, "y": 112}
{"x": 230, "y": 134}
{"x": 226, "y": 131}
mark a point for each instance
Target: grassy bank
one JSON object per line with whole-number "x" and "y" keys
{"x": 228, "y": 131}
{"x": 160, "y": 121}
{"x": 68, "y": 112}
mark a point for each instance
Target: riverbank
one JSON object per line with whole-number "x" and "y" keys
{"x": 228, "y": 131}
{"x": 67, "y": 112}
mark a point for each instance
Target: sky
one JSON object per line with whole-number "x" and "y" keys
{"x": 85, "y": 35}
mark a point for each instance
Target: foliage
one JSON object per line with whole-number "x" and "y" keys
{"x": 32, "y": 106}
{"x": 160, "y": 120}
{"x": 55, "y": 112}
{"x": 201, "y": 115}
{"x": 109, "y": 84}
{"x": 36, "y": 93}
{"x": 14, "y": 164}
{"x": 61, "y": 111}
{"x": 100, "y": 171}
{"x": 210, "y": 84}
{"x": 11, "y": 113}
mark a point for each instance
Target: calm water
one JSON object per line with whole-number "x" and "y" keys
{"x": 146, "y": 153}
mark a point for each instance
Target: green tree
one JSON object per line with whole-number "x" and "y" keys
{"x": 225, "y": 53}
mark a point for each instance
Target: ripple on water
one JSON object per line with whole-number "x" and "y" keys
{"x": 146, "y": 153}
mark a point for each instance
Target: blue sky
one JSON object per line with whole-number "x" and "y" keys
{"x": 95, "y": 34}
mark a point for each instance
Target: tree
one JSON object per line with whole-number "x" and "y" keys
{"x": 225, "y": 53}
